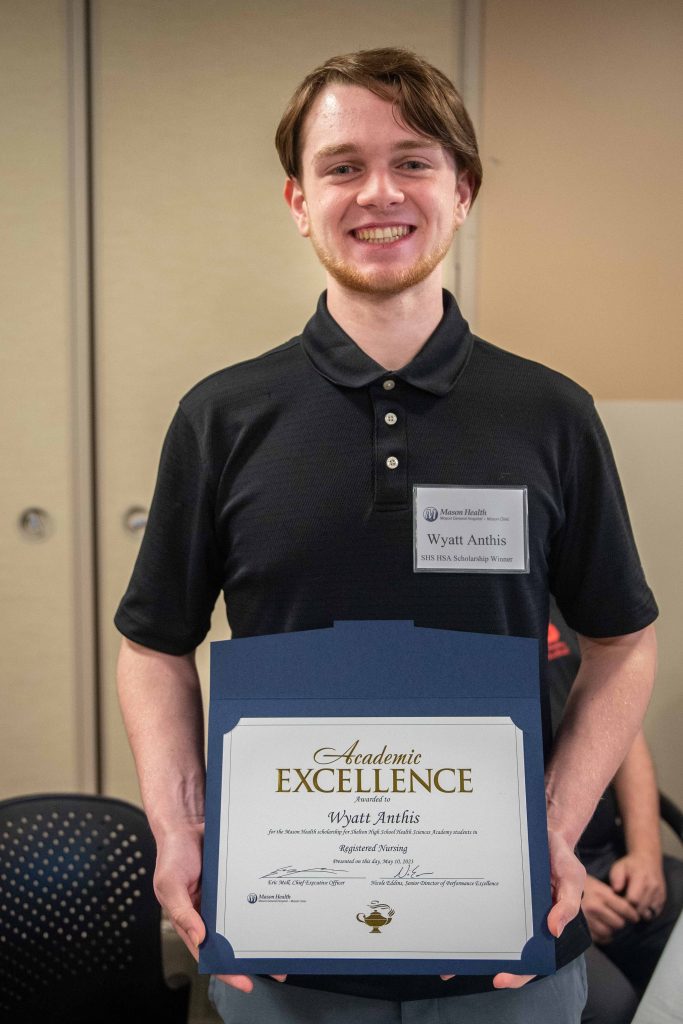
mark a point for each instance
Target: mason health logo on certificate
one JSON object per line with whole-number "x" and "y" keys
{"x": 470, "y": 529}
{"x": 375, "y": 804}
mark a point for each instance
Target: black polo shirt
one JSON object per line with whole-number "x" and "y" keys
{"x": 286, "y": 482}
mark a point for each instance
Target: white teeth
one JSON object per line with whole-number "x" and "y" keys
{"x": 382, "y": 235}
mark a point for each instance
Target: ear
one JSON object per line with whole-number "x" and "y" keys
{"x": 464, "y": 187}
{"x": 296, "y": 201}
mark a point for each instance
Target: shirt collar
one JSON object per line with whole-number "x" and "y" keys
{"x": 435, "y": 368}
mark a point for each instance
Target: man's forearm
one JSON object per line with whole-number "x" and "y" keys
{"x": 161, "y": 702}
{"x": 603, "y": 714}
{"x": 635, "y": 785}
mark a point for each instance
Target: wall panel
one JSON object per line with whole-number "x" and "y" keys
{"x": 47, "y": 735}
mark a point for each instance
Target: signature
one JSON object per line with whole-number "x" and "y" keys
{"x": 290, "y": 872}
{"x": 411, "y": 871}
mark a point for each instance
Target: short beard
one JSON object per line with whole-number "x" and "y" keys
{"x": 382, "y": 282}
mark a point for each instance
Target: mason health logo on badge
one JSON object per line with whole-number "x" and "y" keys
{"x": 431, "y": 514}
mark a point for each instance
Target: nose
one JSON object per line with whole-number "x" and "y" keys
{"x": 380, "y": 190}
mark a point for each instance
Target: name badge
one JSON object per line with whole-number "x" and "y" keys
{"x": 470, "y": 529}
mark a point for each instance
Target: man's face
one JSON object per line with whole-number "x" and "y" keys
{"x": 380, "y": 203}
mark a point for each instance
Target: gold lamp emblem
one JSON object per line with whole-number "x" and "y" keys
{"x": 381, "y": 914}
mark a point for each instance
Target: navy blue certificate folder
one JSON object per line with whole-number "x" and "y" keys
{"x": 271, "y": 690}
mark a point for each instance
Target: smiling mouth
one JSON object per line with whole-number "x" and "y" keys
{"x": 383, "y": 236}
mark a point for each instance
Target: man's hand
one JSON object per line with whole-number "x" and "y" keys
{"x": 606, "y": 912}
{"x": 177, "y": 887}
{"x": 639, "y": 878}
{"x": 177, "y": 881}
{"x": 161, "y": 701}
{"x": 567, "y": 878}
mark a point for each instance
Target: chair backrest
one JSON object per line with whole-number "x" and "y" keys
{"x": 79, "y": 922}
{"x": 671, "y": 814}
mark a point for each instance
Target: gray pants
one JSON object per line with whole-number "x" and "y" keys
{"x": 558, "y": 999}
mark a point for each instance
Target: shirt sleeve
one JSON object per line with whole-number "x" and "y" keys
{"x": 177, "y": 575}
{"x": 595, "y": 571}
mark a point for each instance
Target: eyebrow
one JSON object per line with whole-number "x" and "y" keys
{"x": 349, "y": 148}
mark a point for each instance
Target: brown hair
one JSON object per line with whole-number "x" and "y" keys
{"x": 424, "y": 99}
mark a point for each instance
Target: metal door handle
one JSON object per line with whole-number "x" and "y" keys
{"x": 35, "y": 523}
{"x": 135, "y": 519}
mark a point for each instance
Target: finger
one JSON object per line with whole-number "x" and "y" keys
{"x": 511, "y": 980}
{"x": 637, "y": 892}
{"x": 191, "y": 938}
{"x": 446, "y": 977}
{"x": 188, "y": 924}
{"x": 612, "y": 920}
{"x": 175, "y": 899}
{"x": 600, "y": 933}
{"x": 653, "y": 901}
{"x": 278, "y": 977}
{"x": 643, "y": 907}
{"x": 618, "y": 876}
{"x": 569, "y": 878}
{"x": 238, "y": 981}
{"x": 656, "y": 898}
{"x": 617, "y": 905}
{"x": 565, "y": 909}
{"x": 651, "y": 897}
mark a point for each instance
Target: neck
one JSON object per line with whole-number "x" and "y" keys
{"x": 391, "y": 329}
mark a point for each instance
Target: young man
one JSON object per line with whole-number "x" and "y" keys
{"x": 286, "y": 482}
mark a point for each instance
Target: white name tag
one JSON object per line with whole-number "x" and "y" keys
{"x": 470, "y": 529}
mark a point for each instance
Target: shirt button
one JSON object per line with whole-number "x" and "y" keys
{"x": 392, "y": 462}
{"x": 389, "y": 385}
{"x": 390, "y": 418}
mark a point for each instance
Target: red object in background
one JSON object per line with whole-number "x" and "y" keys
{"x": 557, "y": 648}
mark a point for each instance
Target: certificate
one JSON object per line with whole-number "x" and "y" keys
{"x": 375, "y": 804}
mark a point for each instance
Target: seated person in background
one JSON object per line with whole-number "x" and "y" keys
{"x": 633, "y": 894}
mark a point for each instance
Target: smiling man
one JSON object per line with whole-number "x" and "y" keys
{"x": 287, "y": 483}
{"x": 382, "y": 202}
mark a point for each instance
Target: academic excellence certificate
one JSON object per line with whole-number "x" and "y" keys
{"x": 375, "y": 804}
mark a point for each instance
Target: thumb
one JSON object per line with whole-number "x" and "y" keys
{"x": 618, "y": 876}
{"x": 187, "y": 922}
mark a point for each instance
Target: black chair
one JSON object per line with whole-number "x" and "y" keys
{"x": 671, "y": 814}
{"x": 80, "y": 936}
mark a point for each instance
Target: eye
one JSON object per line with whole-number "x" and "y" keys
{"x": 415, "y": 165}
{"x": 342, "y": 169}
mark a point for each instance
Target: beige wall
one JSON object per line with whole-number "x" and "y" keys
{"x": 581, "y": 217}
